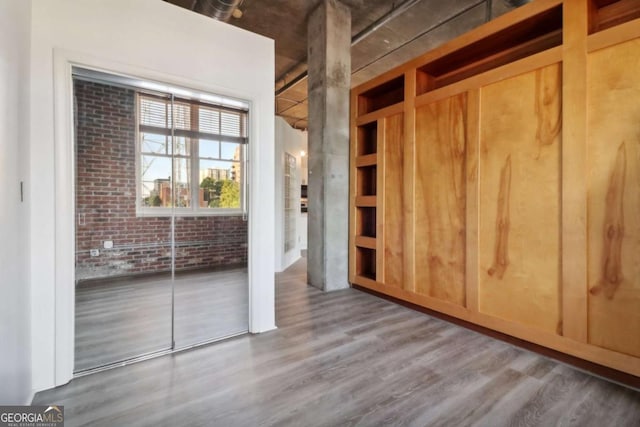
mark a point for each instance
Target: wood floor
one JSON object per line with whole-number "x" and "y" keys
{"x": 118, "y": 319}
{"x": 347, "y": 358}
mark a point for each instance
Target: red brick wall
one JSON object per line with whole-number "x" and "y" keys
{"x": 106, "y": 197}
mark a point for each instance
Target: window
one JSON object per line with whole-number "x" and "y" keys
{"x": 190, "y": 157}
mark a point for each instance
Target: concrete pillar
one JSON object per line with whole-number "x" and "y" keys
{"x": 329, "y": 69}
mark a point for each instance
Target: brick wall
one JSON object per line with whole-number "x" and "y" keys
{"x": 106, "y": 197}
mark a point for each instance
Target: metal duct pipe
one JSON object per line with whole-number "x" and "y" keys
{"x": 516, "y": 3}
{"x": 382, "y": 21}
{"x": 399, "y": 10}
{"x": 217, "y": 9}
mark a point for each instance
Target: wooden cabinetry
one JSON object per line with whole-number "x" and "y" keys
{"x": 497, "y": 179}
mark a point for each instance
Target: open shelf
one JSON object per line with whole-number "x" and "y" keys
{"x": 609, "y": 13}
{"x": 366, "y": 263}
{"x": 366, "y": 222}
{"x": 367, "y": 142}
{"x": 366, "y": 179}
{"x": 381, "y": 96}
{"x": 522, "y": 39}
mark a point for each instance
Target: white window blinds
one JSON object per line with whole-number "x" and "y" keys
{"x": 191, "y": 119}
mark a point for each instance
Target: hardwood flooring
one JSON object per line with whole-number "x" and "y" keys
{"x": 121, "y": 318}
{"x": 347, "y": 358}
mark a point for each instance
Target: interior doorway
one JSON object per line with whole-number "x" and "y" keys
{"x": 161, "y": 231}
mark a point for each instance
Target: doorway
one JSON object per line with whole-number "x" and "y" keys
{"x": 161, "y": 229}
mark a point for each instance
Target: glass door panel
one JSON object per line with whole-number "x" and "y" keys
{"x": 211, "y": 300}
{"x": 161, "y": 231}
{"x": 211, "y": 281}
{"x": 123, "y": 260}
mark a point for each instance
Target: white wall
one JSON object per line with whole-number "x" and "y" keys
{"x": 15, "y": 344}
{"x": 292, "y": 141}
{"x": 155, "y": 40}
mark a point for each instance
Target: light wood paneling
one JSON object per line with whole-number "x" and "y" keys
{"x": 440, "y": 202}
{"x": 380, "y": 201}
{"x": 501, "y": 23}
{"x": 539, "y": 60}
{"x": 621, "y": 33}
{"x": 472, "y": 186}
{"x": 354, "y": 226}
{"x": 574, "y": 198}
{"x": 613, "y": 152}
{"x": 409, "y": 137}
{"x": 533, "y": 222}
{"x": 519, "y": 249}
{"x": 379, "y": 114}
{"x": 393, "y": 216}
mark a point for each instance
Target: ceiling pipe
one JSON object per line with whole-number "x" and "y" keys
{"x": 402, "y": 8}
{"x": 217, "y": 9}
{"x": 382, "y": 21}
{"x": 516, "y": 3}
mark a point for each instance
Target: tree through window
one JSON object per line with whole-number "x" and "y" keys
{"x": 190, "y": 156}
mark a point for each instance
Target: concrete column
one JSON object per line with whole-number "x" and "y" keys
{"x": 329, "y": 69}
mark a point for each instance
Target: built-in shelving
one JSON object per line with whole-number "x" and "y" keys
{"x": 366, "y": 176}
{"x": 609, "y": 13}
{"x": 366, "y": 219}
{"x": 482, "y": 173}
{"x": 524, "y": 38}
{"x": 366, "y": 262}
{"x": 384, "y": 95}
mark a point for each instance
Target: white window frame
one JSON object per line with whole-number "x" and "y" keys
{"x": 194, "y": 157}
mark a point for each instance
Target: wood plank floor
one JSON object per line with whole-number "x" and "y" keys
{"x": 347, "y": 358}
{"x": 121, "y": 318}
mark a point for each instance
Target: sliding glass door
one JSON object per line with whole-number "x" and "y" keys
{"x": 213, "y": 301}
{"x": 161, "y": 231}
{"x": 123, "y": 262}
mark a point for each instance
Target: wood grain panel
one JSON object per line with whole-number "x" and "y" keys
{"x": 380, "y": 202}
{"x": 519, "y": 204}
{"x": 613, "y": 201}
{"x": 393, "y": 216}
{"x": 409, "y": 190}
{"x": 440, "y": 199}
{"x": 354, "y": 226}
{"x": 574, "y": 190}
{"x": 472, "y": 225}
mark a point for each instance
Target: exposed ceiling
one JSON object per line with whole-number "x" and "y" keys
{"x": 420, "y": 26}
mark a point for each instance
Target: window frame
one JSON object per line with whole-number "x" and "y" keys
{"x": 194, "y": 210}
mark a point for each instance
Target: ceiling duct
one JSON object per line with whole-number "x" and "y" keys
{"x": 217, "y": 9}
{"x": 516, "y": 3}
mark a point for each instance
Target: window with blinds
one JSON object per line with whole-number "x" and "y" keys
{"x": 190, "y": 156}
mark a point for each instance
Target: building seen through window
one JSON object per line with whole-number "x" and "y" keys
{"x": 190, "y": 156}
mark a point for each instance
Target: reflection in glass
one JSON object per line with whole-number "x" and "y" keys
{"x": 156, "y": 181}
{"x": 124, "y": 288}
{"x": 182, "y": 146}
{"x": 158, "y": 278}
{"x": 155, "y": 144}
{"x": 182, "y": 189}
{"x": 219, "y": 184}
